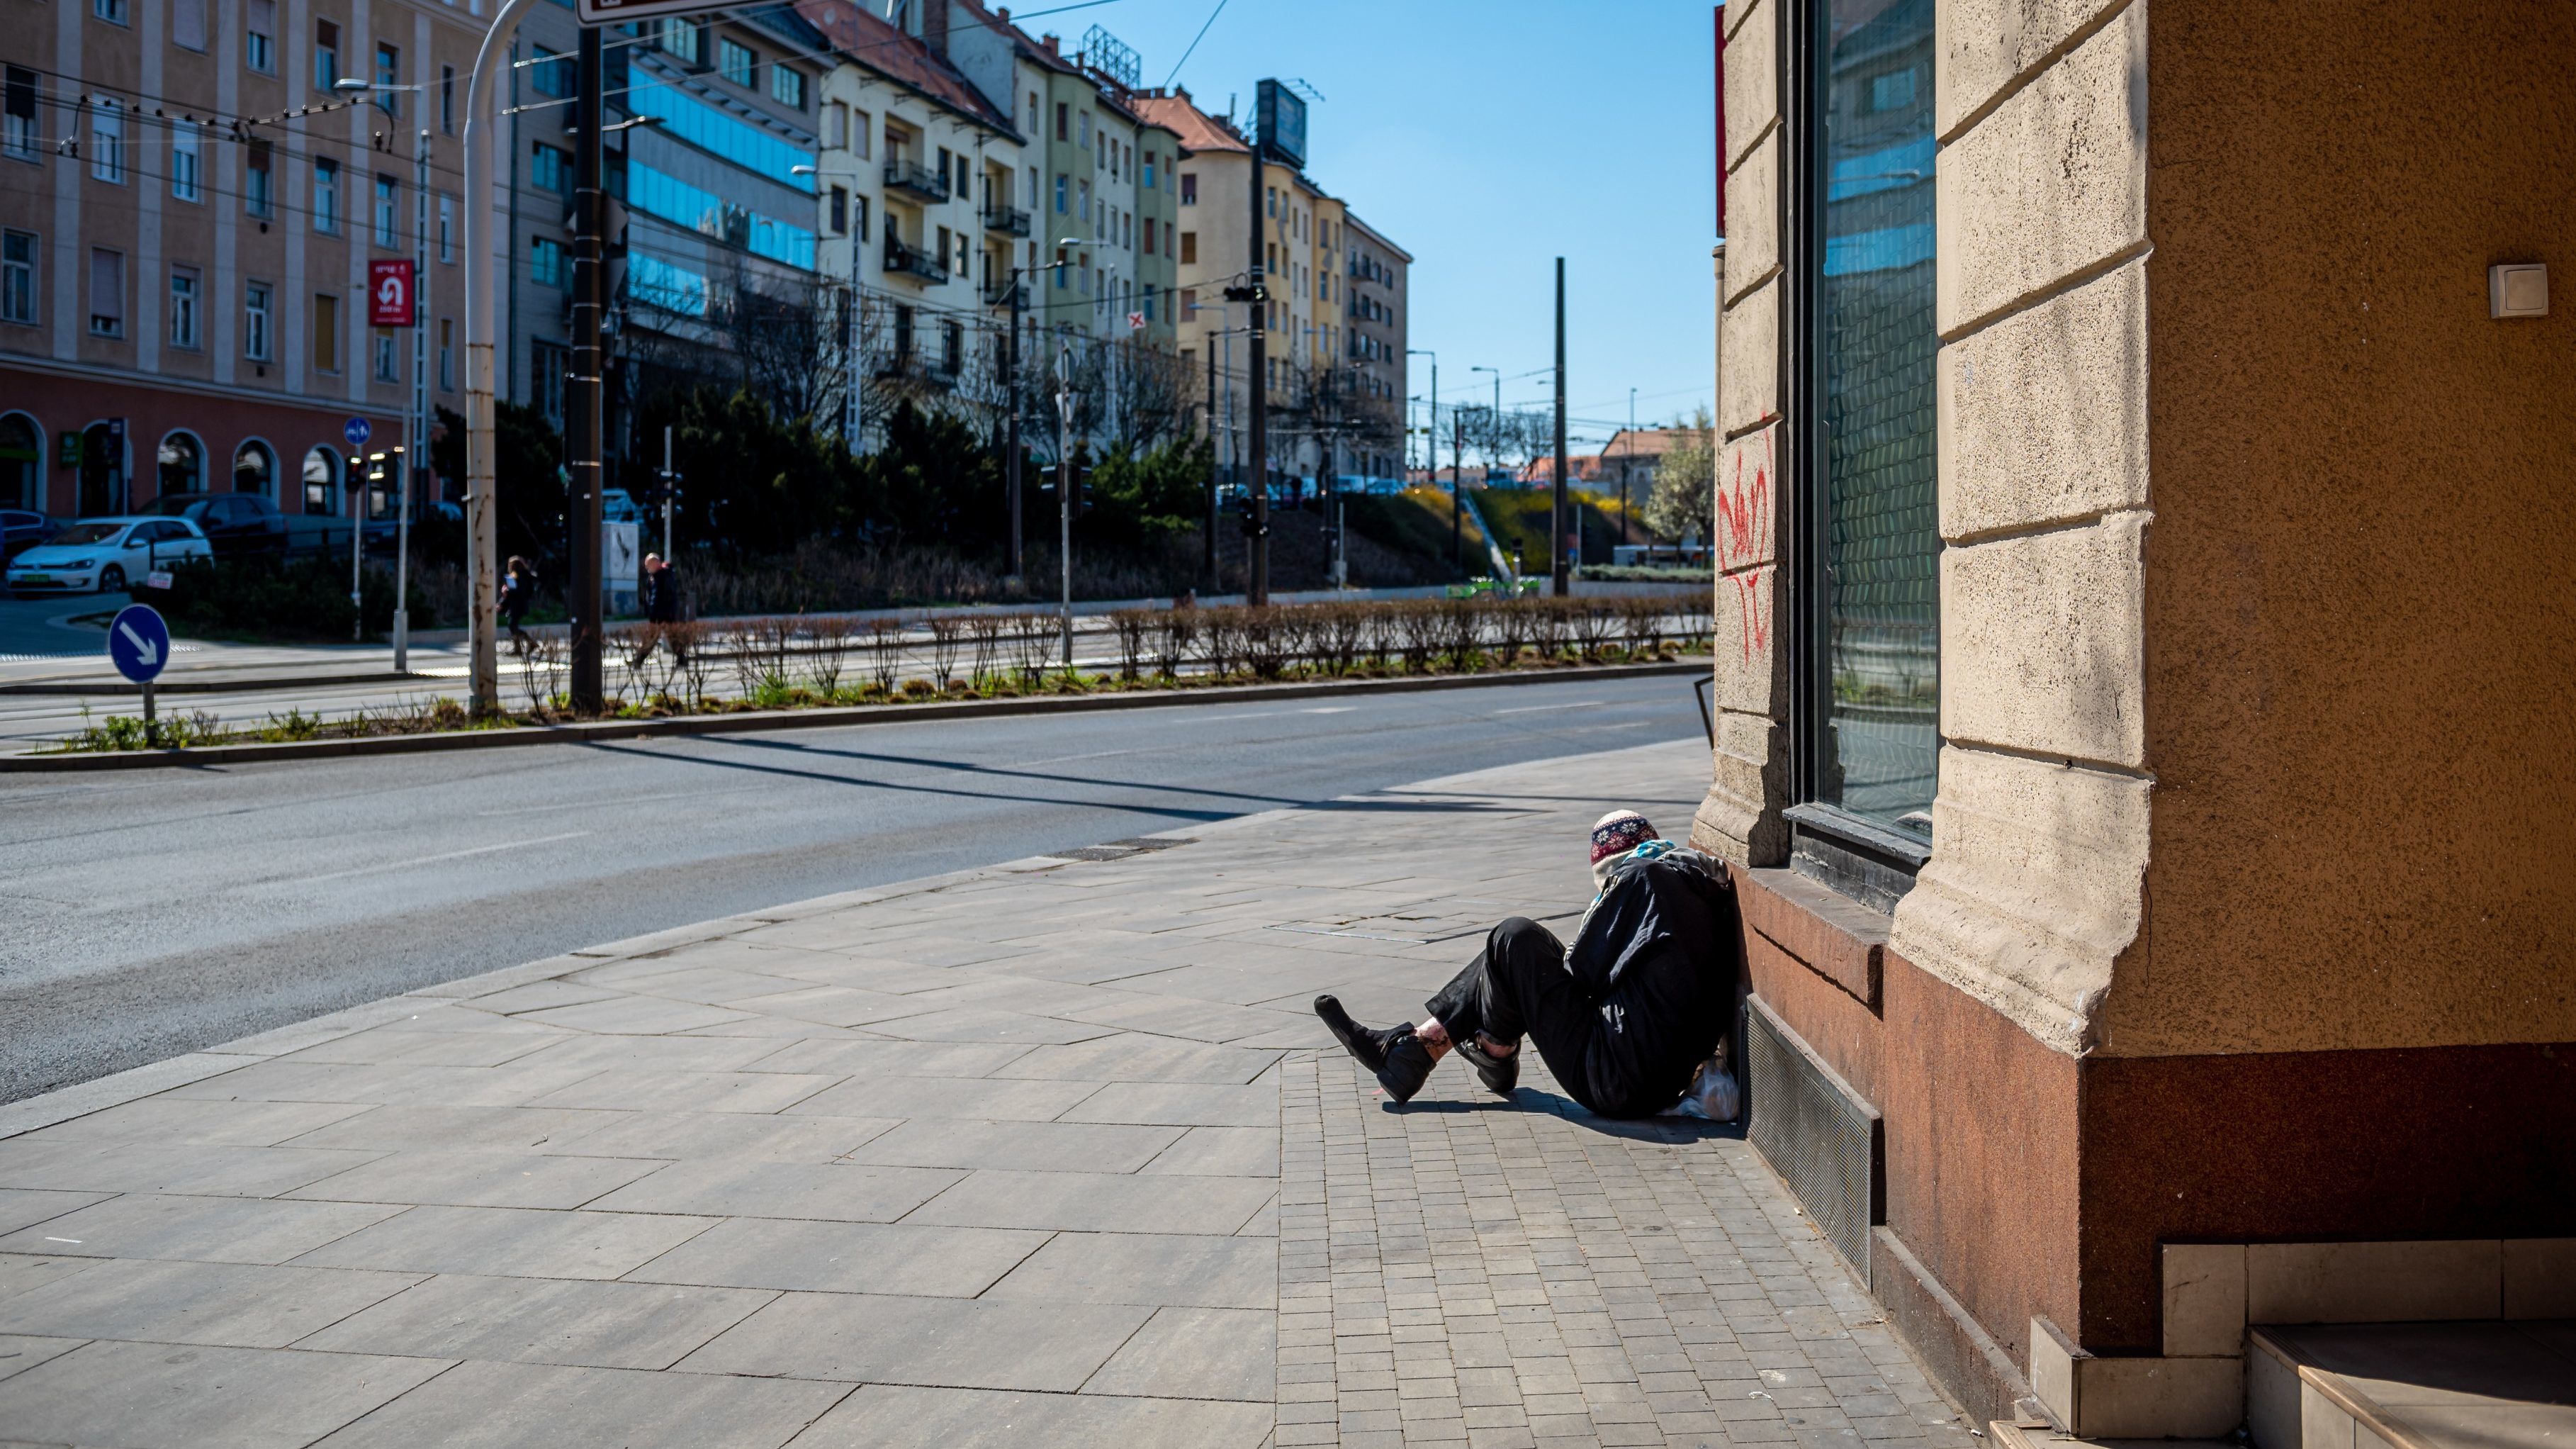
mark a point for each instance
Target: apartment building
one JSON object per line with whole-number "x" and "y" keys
{"x": 190, "y": 208}
{"x": 1335, "y": 319}
{"x": 922, "y": 200}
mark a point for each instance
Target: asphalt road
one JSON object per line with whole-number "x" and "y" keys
{"x": 155, "y": 912}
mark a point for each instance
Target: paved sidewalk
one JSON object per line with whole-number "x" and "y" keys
{"x": 1044, "y": 1154}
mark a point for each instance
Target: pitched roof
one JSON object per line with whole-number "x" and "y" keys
{"x": 903, "y": 59}
{"x": 1178, "y": 114}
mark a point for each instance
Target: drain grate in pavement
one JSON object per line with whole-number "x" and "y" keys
{"x": 1154, "y": 842}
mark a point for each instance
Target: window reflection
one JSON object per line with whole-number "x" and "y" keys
{"x": 1875, "y": 312}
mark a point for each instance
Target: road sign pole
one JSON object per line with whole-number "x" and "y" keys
{"x": 586, "y": 396}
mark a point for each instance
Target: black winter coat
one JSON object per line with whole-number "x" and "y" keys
{"x": 662, "y": 596}
{"x": 1659, "y": 955}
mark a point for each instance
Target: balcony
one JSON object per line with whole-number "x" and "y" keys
{"x": 906, "y": 261}
{"x": 997, "y": 293}
{"x": 1009, "y": 221}
{"x": 921, "y": 181}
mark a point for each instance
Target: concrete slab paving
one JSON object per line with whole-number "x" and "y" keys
{"x": 1052, "y": 1152}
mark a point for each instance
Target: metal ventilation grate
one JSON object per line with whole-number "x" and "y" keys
{"x": 1822, "y": 1140}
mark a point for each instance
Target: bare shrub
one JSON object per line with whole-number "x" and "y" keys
{"x": 1133, "y": 627}
{"x": 885, "y": 653}
{"x": 1595, "y": 622}
{"x": 984, "y": 632}
{"x": 1220, "y": 640}
{"x": 1511, "y": 630}
{"x": 1417, "y": 623}
{"x": 688, "y": 641}
{"x": 1031, "y": 633}
{"x": 944, "y": 630}
{"x": 827, "y": 643}
{"x": 1547, "y": 628}
{"x": 1342, "y": 628}
{"x": 1385, "y": 633}
{"x": 1172, "y": 641}
{"x": 1263, "y": 636}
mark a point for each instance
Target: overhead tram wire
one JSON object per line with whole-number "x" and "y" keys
{"x": 227, "y": 130}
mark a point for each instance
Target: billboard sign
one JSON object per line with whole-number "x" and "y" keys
{"x": 1282, "y": 118}
{"x": 389, "y": 292}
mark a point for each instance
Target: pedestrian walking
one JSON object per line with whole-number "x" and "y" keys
{"x": 661, "y": 610}
{"x": 518, "y": 591}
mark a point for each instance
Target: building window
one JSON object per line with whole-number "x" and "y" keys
{"x": 388, "y": 356}
{"x": 548, "y": 365}
{"x": 737, "y": 62}
{"x": 447, "y": 228}
{"x": 1082, "y": 190}
{"x": 259, "y": 36}
{"x": 325, "y": 351}
{"x": 546, "y": 263}
{"x": 1865, "y": 720}
{"x": 447, "y": 354}
{"x": 18, "y": 276}
{"x": 106, "y": 141}
{"x": 188, "y": 25}
{"x": 552, "y": 170}
{"x": 952, "y": 347}
{"x": 1189, "y": 248}
{"x": 321, "y": 481}
{"x": 787, "y": 86}
{"x": 112, "y": 11}
{"x": 1060, "y": 191}
{"x": 447, "y": 100}
{"x": 326, "y": 196}
{"x": 1082, "y": 128}
{"x": 255, "y": 470}
{"x": 388, "y": 213}
{"x": 23, "y": 138}
{"x": 836, "y": 126}
{"x": 388, "y": 75}
{"x": 187, "y": 163}
{"x": 1149, "y": 171}
{"x": 551, "y": 73}
{"x": 840, "y": 211}
{"x": 685, "y": 39}
{"x": 326, "y": 55}
{"x": 259, "y": 191}
{"x": 183, "y": 308}
{"x": 859, "y": 217}
{"x": 257, "y": 318}
{"x": 182, "y": 461}
{"x": 106, "y": 292}
{"x": 1189, "y": 188}
{"x": 1189, "y": 302}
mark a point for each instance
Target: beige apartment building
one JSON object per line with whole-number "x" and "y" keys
{"x": 1335, "y": 320}
{"x": 190, "y": 207}
{"x": 2150, "y": 796}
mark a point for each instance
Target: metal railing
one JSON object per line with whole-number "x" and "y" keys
{"x": 1008, "y": 220}
{"x": 913, "y": 262}
{"x": 998, "y": 293}
{"x": 919, "y": 180}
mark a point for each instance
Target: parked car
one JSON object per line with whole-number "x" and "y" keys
{"x": 104, "y": 555}
{"x": 238, "y": 525}
{"x": 21, "y": 530}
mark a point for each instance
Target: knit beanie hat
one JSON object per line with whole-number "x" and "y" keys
{"x": 1613, "y": 836}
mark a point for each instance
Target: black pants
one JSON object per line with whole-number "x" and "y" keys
{"x": 1629, "y": 1054}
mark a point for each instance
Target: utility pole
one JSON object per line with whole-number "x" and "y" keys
{"x": 670, "y": 487}
{"x": 416, "y": 432}
{"x": 1563, "y": 573}
{"x": 1258, "y": 444}
{"x": 1208, "y": 564}
{"x": 1627, "y": 458}
{"x": 1064, "y": 400}
{"x": 1011, "y": 407}
{"x": 589, "y": 694}
{"x": 1457, "y": 499}
{"x": 1457, "y": 482}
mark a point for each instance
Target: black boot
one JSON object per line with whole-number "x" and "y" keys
{"x": 1499, "y": 1074}
{"x": 1395, "y": 1056}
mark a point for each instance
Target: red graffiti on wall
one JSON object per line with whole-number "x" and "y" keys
{"x": 1743, "y": 538}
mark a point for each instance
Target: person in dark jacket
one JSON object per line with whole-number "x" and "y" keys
{"x": 518, "y": 591}
{"x": 661, "y": 606}
{"x": 1625, "y": 1017}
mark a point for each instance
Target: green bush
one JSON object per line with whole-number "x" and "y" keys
{"x": 304, "y": 599}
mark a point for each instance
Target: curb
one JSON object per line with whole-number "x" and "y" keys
{"x": 788, "y": 719}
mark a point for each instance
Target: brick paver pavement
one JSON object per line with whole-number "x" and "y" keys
{"x": 1033, "y": 1155}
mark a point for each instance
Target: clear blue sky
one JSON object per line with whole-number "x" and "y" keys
{"x": 1487, "y": 139}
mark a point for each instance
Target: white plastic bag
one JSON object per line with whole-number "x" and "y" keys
{"x": 1713, "y": 1094}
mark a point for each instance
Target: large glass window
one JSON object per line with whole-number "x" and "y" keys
{"x": 1869, "y": 589}
{"x": 709, "y": 129}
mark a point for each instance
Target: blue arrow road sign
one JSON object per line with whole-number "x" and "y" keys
{"x": 139, "y": 643}
{"x": 357, "y": 431}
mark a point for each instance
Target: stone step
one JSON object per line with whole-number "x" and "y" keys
{"x": 2468, "y": 1385}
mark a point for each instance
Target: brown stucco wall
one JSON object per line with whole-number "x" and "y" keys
{"x": 2361, "y": 589}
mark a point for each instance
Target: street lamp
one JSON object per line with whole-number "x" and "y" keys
{"x": 415, "y": 448}
{"x": 1457, "y": 500}
{"x": 1064, "y": 403}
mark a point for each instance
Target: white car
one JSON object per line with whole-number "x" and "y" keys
{"x": 105, "y": 555}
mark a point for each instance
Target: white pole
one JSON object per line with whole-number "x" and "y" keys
{"x": 416, "y": 443}
{"x": 482, "y": 169}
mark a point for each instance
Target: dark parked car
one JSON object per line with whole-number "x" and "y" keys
{"x": 239, "y": 525}
{"x": 21, "y": 530}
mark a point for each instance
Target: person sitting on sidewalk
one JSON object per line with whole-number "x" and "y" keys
{"x": 1626, "y": 1018}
